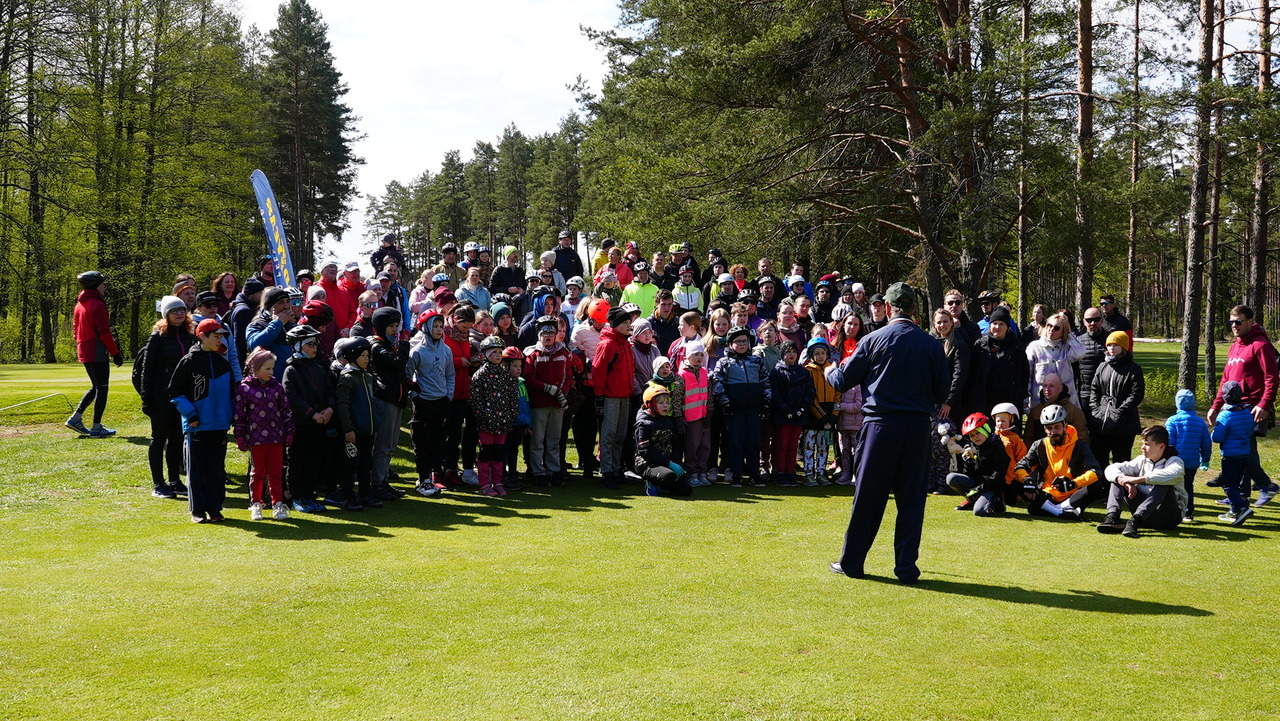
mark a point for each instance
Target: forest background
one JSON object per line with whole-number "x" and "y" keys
{"x": 1050, "y": 150}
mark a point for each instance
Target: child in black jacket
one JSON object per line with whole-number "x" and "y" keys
{"x": 313, "y": 398}
{"x": 984, "y": 464}
{"x": 655, "y": 438}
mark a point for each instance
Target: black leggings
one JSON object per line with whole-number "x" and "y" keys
{"x": 166, "y": 442}
{"x": 99, "y": 373}
{"x": 585, "y": 425}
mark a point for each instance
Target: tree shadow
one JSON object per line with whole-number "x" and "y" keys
{"x": 1072, "y": 599}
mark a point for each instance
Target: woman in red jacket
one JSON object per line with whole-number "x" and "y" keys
{"x": 94, "y": 346}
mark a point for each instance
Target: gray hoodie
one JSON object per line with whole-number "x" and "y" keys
{"x": 430, "y": 365}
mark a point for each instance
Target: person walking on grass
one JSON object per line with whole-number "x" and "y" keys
{"x": 264, "y": 428}
{"x": 905, "y": 376}
{"x": 95, "y": 348}
{"x": 203, "y": 392}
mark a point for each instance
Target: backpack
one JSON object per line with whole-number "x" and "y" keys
{"x": 137, "y": 372}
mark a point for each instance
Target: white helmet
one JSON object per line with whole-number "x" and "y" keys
{"x": 469, "y": 246}
{"x": 1053, "y": 414}
{"x": 1009, "y": 408}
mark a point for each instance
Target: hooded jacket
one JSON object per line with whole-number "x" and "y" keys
{"x": 741, "y": 384}
{"x": 202, "y": 390}
{"x": 1251, "y": 362}
{"x": 793, "y": 393}
{"x": 989, "y": 466}
{"x": 357, "y": 413}
{"x": 1233, "y": 431}
{"x": 1168, "y": 471}
{"x": 1045, "y": 462}
{"x": 267, "y": 332}
{"x": 1118, "y": 389}
{"x": 1014, "y": 448}
{"x": 430, "y": 366}
{"x": 387, "y": 359}
{"x": 94, "y": 342}
{"x": 1188, "y": 432}
{"x": 351, "y": 291}
{"x": 688, "y": 297}
{"x": 160, "y": 357}
{"x": 613, "y": 368}
{"x": 822, "y": 412}
{"x": 262, "y": 413}
{"x": 311, "y": 389}
{"x": 464, "y": 352}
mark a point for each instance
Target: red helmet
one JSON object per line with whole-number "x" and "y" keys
{"x": 598, "y": 311}
{"x": 427, "y": 315}
{"x": 512, "y": 353}
{"x": 976, "y": 422}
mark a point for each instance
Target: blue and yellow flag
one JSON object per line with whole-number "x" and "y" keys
{"x": 277, "y": 242}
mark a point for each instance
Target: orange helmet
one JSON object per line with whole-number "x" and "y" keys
{"x": 598, "y": 311}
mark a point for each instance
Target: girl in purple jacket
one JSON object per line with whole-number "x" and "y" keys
{"x": 263, "y": 426}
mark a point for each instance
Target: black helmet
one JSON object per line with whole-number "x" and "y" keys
{"x": 300, "y": 333}
{"x": 90, "y": 279}
{"x": 349, "y": 349}
{"x": 263, "y": 260}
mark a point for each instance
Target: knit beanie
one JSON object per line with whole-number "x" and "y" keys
{"x": 171, "y": 303}
{"x": 256, "y": 359}
{"x": 1120, "y": 338}
{"x": 1002, "y": 315}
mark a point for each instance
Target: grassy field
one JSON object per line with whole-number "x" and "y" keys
{"x": 577, "y": 603}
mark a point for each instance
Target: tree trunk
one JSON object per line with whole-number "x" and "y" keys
{"x": 1261, "y": 187}
{"x": 1135, "y": 160}
{"x": 1192, "y": 310}
{"x": 1084, "y": 154}
{"x": 1024, "y": 114}
{"x": 1215, "y": 215}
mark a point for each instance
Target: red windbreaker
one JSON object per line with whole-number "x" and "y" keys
{"x": 92, "y": 325}
{"x": 613, "y": 369}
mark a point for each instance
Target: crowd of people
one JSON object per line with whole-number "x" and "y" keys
{"x": 661, "y": 372}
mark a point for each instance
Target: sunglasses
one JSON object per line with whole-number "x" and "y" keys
{"x": 1055, "y": 327}
{"x": 956, "y": 302}
{"x": 1235, "y": 322}
{"x": 1106, "y": 302}
{"x": 368, "y": 305}
{"x": 1092, "y": 320}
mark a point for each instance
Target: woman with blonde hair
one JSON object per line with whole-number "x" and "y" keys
{"x": 170, "y": 339}
{"x": 1055, "y": 351}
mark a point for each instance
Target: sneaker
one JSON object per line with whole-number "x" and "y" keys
{"x": 470, "y": 478}
{"x": 163, "y": 492}
{"x": 1223, "y": 502}
{"x": 299, "y": 506}
{"x": 352, "y": 506}
{"x": 1188, "y": 517}
{"x": 1111, "y": 524}
{"x": 452, "y": 479}
{"x": 1070, "y": 514}
{"x": 512, "y": 483}
{"x": 1215, "y": 482}
{"x": 758, "y": 482}
{"x": 822, "y": 481}
{"x": 966, "y": 506}
{"x": 489, "y": 490}
{"x": 215, "y": 517}
{"x": 78, "y": 426}
{"x": 335, "y": 500}
{"x": 385, "y": 494}
{"x": 1238, "y": 517}
{"x": 427, "y": 489}
{"x": 502, "y": 491}
{"x": 314, "y": 506}
{"x": 734, "y": 481}
{"x": 1131, "y": 529}
{"x": 101, "y": 432}
{"x": 810, "y": 481}
{"x": 1264, "y": 497}
{"x": 198, "y": 519}
{"x": 652, "y": 490}
{"x": 179, "y": 488}
{"x": 370, "y": 502}
{"x": 279, "y": 511}
{"x": 255, "y": 512}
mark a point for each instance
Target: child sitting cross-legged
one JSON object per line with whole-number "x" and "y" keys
{"x": 655, "y": 438}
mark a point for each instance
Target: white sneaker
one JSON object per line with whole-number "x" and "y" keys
{"x": 280, "y": 511}
{"x": 255, "y": 511}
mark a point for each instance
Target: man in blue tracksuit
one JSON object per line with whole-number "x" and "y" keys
{"x": 904, "y": 377}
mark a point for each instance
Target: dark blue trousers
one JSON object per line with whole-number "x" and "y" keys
{"x": 893, "y": 458}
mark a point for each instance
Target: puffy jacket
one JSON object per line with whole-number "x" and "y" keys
{"x": 1045, "y": 462}
{"x": 262, "y": 413}
{"x": 311, "y": 389}
{"x": 655, "y": 438}
{"x": 357, "y": 412}
{"x": 613, "y": 368}
{"x": 160, "y": 357}
{"x": 268, "y": 333}
{"x": 642, "y": 364}
{"x": 1044, "y": 357}
{"x": 495, "y": 398}
{"x": 1168, "y": 471}
{"x": 822, "y": 412}
{"x": 1095, "y": 353}
{"x": 998, "y": 373}
{"x": 696, "y": 393}
{"x": 387, "y": 360}
{"x": 1251, "y": 362}
{"x": 740, "y": 383}
{"x": 202, "y": 390}
{"x": 793, "y": 393}
{"x": 94, "y": 342}
{"x": 524, "y": 412}
{"x": 1014, "y": 448}
{"x": 547, "y": 367}
{"x": 851, "y": 410}
{"x": 1233, "y": 431}
{"x": 1188, "y": 431}
{"x": 688, "y": 297}
{"x": 1117, "y": 390}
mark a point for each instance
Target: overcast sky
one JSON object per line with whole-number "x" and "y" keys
{"x": 431, "y": 77}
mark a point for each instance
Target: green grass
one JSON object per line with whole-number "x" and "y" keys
{"x": 581, "y": 604}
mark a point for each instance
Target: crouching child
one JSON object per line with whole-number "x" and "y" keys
{"x": 655, "y": 438}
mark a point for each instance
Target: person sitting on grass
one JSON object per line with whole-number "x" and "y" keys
{"x": 984, "y": 463}
{"x": 1005, "y": 416}
{"x": 655, "y": 439}
{"x": 202, "y": 390}
{"x": 1059, "y": 472}
{"x": 1150, "y": 485}
{"x": 1233, "y": 432}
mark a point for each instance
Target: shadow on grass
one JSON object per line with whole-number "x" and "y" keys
{"x": 1072, "y": 599}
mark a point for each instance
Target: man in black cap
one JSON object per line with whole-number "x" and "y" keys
{"x": 904, "y": 377}
{"x": 568, "y": 262}
{"x": 879, "y": 315}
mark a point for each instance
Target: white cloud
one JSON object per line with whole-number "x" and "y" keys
{"x": 430, "y": 77}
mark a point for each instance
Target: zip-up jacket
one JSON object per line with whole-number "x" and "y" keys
{"x": 1117, "y": 390}
{"x": 1188, "y": 431}
{"x": 1233, "y": 430}
{"x": 262, "y": 413}
{"x": 822, "y": 413}
{"x": 387, "y": 361}
{"x": 988, "y": 467}
{"x": 547, "y": 367}
{"x": 688, "y": 297}
{"x": 655, "y": 437}
{"x": 311, "y": 389}
{"x": 740, "y": 383}
{"x": 696, "y": 393}
{"x": 1168, "y": 471}
{"x": 793, "y": 393}
{"x": 160, "y": 357}
{"x": 1095, "y": 353}
{"x": 357, "y": 412}
{"x": 202, "y": 391}
{"x": 902, "y": 370}
{"x": 1045, "y": 462}
{"x": 495, "y": 398}
{"x": 613, "y": 368}
{"x": 92, "y": 324}
{"x": 268, "y": 333}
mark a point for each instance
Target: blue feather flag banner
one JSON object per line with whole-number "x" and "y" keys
{"x": 277, "y": 242}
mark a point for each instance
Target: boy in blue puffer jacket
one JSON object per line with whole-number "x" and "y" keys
{"x": 1233, "y": 431}
{"x": 1190, "y": 435}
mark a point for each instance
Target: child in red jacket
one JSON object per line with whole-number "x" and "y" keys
{"x": 548, "y": 373}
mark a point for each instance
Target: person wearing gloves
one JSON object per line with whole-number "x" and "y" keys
{"x": 741, "y": 386}
{"x": 1151, "y": 485}
{"x": 793, "y": 394}
{"x": 1059, "y": 473}
{"x": 203, "y": 392}
{"x": 263, "y": 426}
{"x": 95, "y": 348}
{"x": 983, "y": 465}
{"x": 1190, "y": 435}
{"x": 655, "y": 439}
{"x": 430, "y": 370}
{"x": 548, "y": 374}
{"x": 1118, "y": 388}
{"x": 313, "y": 400}
{"x": 613, "y": 375}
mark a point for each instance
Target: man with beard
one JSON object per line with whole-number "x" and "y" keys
{"x": 1059, "y": 473}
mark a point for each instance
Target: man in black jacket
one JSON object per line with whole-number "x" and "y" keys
{"x": 1094, "y": 340}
